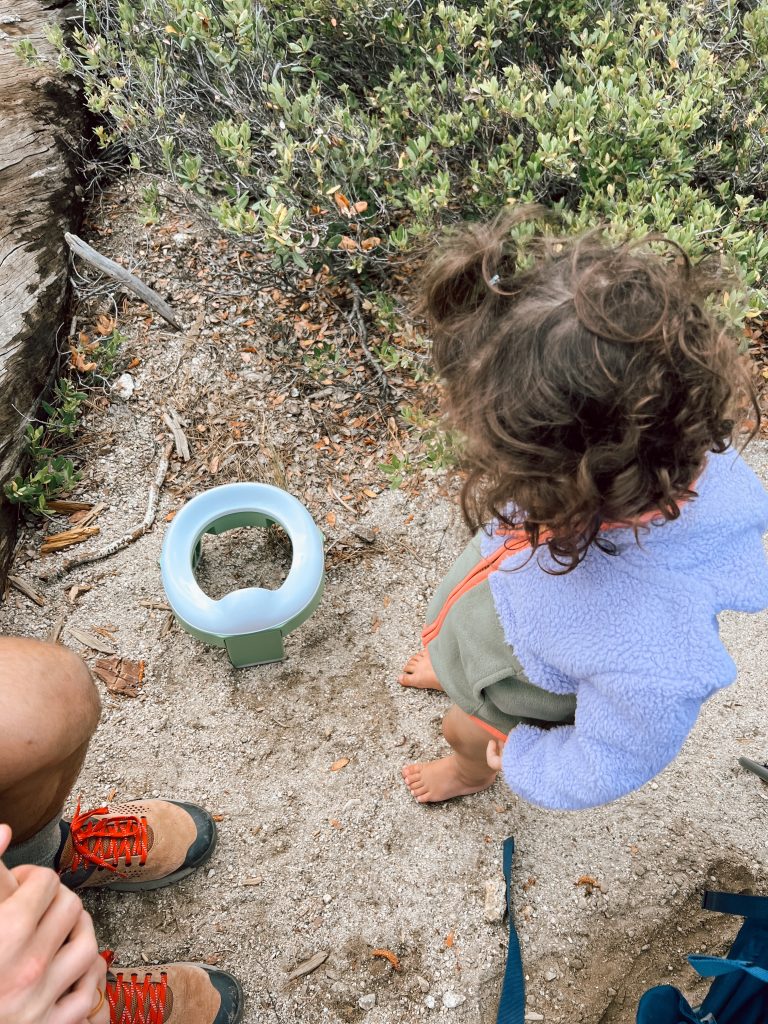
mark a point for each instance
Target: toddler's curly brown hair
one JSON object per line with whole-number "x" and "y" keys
{"x": 588, "y": 385}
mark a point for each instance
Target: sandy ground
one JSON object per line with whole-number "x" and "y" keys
{"x": 347, "y": 861}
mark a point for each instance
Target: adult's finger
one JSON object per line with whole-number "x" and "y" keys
{"x": 37, "y": 889}
{"x": 76, "y": 959}
{"x": 58, "y": 922}
{"x": 75, "y": 1006}
{"x": 7, "y": 881}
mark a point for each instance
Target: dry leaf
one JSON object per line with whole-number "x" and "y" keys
{"x": 341, "y": 763}
{"x": 590, "y": 884}
{"x": 307, "y": 966}
{"x": 387, "y": 954}
{"x": 79, "y": 363}
{"x": 360, "y": 207}
{"x": 376, "y": 625}
{"x": 334, "y": 823}
{"x": 370, "y": 243}
{"x": 120, "y": 675}
{"x": 89, "y": 640}
{"x": 331, "y": 519}
{"x": 343, "y": 204}
{"x": 105, "y": 325}
{"x": 348, "y": 244}
{"x": 449, "y": 939}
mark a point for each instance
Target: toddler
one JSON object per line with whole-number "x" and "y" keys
{"x": 597, "y": 398}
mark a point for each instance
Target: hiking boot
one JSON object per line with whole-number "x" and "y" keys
{"x": 173, "y": 994}
{"x": 131, "y": 847}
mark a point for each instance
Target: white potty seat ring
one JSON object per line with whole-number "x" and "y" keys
{"x": 252, "y": 622}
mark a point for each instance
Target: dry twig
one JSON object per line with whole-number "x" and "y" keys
{"x": 133, "y": 535}
{"x": 123, "y": 276}
{"x": 356, "y": 317}
{"x": 24, "y": 588}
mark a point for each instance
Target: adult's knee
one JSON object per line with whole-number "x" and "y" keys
{"x": 49, "y": 704}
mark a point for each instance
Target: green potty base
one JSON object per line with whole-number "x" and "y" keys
{"x": 255, "y": 648}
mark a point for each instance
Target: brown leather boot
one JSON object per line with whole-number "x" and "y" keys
{"x": 135, "y": 846}
{"x": 173, "y": 994}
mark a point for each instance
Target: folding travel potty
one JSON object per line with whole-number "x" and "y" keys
{"x": 252, "y": 622}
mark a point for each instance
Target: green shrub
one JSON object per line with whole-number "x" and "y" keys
{"x": 345, "y": 132}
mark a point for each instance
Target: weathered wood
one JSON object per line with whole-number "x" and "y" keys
{"x": 124, "y": 277}
{"x": 39, "y": 127}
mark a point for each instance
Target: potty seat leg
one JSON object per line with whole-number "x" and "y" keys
{"x": 255, "y": 648}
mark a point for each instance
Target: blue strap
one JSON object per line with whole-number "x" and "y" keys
{"x": 716, "y": 967}
{"x": 755, "y": 907}
{"x": 512, "y": 1002}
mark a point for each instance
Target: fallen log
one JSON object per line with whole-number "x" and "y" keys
{"x": 40, "y": 127}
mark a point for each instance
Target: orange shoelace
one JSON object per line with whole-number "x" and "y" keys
{"x": 134, "y": 1001}
{"x": 104, "y": 841}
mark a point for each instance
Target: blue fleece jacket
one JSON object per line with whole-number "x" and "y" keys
{"x": 634, "y": 636}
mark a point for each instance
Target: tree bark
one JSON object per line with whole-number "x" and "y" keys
{"x": 40, "y": 125}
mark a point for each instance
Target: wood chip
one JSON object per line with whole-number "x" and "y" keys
{"x": 86, "y": 517}
{"x": 24, "y": 588}
{"x": 77, "y": 590}
{"x": 69, "y": 506}
{"x": 167, "y": 625}
{"x": 56, "y": 629}
{"x": 67, "y": 538}
{"x": 387, "y": 954}
{"x": 91, "y": 640}
{"x": 122, "y": 677}
{"x": 307, "y": 966}
{"x": 180, "y": 441}
{"x": 256, "y": 880}
{"x": 159, "y": 606}
{"x": 341, "y": 763}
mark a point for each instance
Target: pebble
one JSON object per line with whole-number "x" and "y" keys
{"x": 532, "y": 1015}
{"x": 494, "y": 903}
{"x": 550, "y": 975}
{"x": 429, "y": 1002}
{"x": 422, "y": 983}
{"x": 612, "y": 992}
{"x": 451, "y": 1000}
{"x": 577, "y": 964}
{"x": 367, "y": 1002}
{"x": 124, "y": 387}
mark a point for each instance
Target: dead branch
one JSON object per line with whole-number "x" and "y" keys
{"x": 123, "y": 276}
{"x": 133, "y": 535}
{"x": 356, "y": 317}
{"x": 23, "y": 587}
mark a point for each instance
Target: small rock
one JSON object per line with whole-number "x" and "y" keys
{"x": 451, "y": 1000}
{"x": 367, "y": 1002}
{"x": 181, "y": 238}
{"x": 422, "y": 983}
{"x": 365, "y": 535}
{"x": 612, "y": 992}
{"x": 429, "y": 1002}
{"x": 495, "y": 902}
{"x": 577, "y": 964}
{"x": 550, "y": 975}
{"x": 327, "y": 898}
{"x": 124, "y": 387}
{"x": 532, "y": 1015}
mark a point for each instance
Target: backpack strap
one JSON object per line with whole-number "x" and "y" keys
{"x": 716, "y": 967}
{"x": 755, "y": 907}
{"x": 512, "y": 1001}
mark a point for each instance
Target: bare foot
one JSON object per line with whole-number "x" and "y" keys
{"x": 418, "y": 672}
{"x": 433, "y": 781}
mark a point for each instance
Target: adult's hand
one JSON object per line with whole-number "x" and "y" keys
{"x": 50, "y": 968}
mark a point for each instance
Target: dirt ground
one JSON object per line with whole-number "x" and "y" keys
{"x": 344, "y": 861}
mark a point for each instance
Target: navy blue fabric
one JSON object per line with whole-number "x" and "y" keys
{"x": 739, "y": 993}
{"x": 512, "y": 1002}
